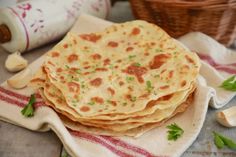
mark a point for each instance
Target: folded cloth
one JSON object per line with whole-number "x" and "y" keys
{"x": 217, "y": 65}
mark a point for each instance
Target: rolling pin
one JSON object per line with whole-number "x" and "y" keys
{"x": 30, "y": 24}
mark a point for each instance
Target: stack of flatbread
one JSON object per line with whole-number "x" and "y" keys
{"x": 125, "y": 80}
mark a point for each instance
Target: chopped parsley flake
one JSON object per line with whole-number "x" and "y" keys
{"x": 174, "y": 132}
{"x": 129, "y": 79}
{"x": 131, "y": 56}
{"x": 67, "y": 66}
{"x": 82, "y": 84}
{"x": 76, "y": 79}
{"x": 156, "y": 76}
{"x": 158, "y": 50}
{"x": 28, "y": 110}
{"x": 133, "y": 98}
{"x": 78, "y": 71}
{"x": 70, "y": 78}
{"x": 91, "y": 103}
{"x": 111, "y": 66}
{"x": 74, "y": 101}
{"x": 149, "y": 86}
{"x": 137, "y": 64}
{"x": 124, "y": 104}
{"x": 155, "y": 93}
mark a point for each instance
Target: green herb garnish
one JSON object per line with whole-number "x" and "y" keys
{"x": 137, "y": 64}
{"x": 156, "y": 76}
{"x": 67, "y": 67}
{"x": 221, "y": 141}
{"x": 149, "y": 86}
{"x": 229, "y": 84}
{"x": 91, "y": 103}
{"x": 28, "y": 110}
{"x": 82, "y": 84}
{"x": 131, "y": 56}
{"x": 174, "y": 132}
{"x": 158, "y": 50}
{"x": 76, "y": 79}
{"x": 111, "y": 66}
{"x": 129, "y": 79}
{"x": 133, "y": 98}
{"x": 78, "y": 71}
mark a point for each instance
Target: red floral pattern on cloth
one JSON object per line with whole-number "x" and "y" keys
{"x": 38, "y": 23}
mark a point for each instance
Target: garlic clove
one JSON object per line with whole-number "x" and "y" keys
{"x": 15, "y": 62}
{"x": 21, "y": 79}
{"x": 227, "y": 117}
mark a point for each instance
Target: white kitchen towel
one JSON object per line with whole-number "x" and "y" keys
{"x": 218, "y": 63}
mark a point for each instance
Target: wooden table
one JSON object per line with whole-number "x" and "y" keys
{"x": 19, "y": 142}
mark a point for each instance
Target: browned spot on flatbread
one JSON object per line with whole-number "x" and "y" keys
{"x": 112, "y": 44}
{"x": 112, "y": 91}
{"x": 158, "y": 61}
{"x": 171, "y": 73}
{"x": 183, "y": 83}
{"x": 55, "y": 54}
{"x": 190, "y": 60}
{"x": 129, "y": 49}
{"x": 97, "y": 100}
{"x": 121, "y": 83}
{"x": 101, "y": 69}
{"x": 164, "y": 87}
{"x": 84, "y": 109}
{"x": 106, "y": 61}
{"x": 91, "y": 37}
{"x": 65, "y": 46}
{"x": 96, "y": 56}
{"x": 113, "y": 103}
{"x": 137, "y": 71}
{"x": 96, "y": 82}
{"x": 135, "y": 31}
{"x": 49, "y": 62}
{"x": 73, "y": 57}
{"x": 73, "y": 87}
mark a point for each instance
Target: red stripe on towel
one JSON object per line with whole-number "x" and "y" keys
{"x": 125, "y": 145}
{"x": 95, "y": 139}
{"x": 11, "y": 101}
{"x": 16, "y": 95}
{"x": 221, "y": 67}
{"x": 18, "y": 102}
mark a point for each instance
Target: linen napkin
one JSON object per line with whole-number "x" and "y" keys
{"x": 218, "y": 63}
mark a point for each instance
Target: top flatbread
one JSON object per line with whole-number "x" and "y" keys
{"x": 120, "y": 69}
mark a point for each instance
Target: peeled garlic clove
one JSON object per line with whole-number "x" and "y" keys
{"x": 227, "y": 117}
{"x": 21, "y": 79}
{"x": 15, "y": 62}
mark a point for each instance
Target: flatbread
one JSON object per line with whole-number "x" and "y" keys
{"x": 106, "y": 73}
{"x": 122, "y": 81}
{"x": 135, "y": 132}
